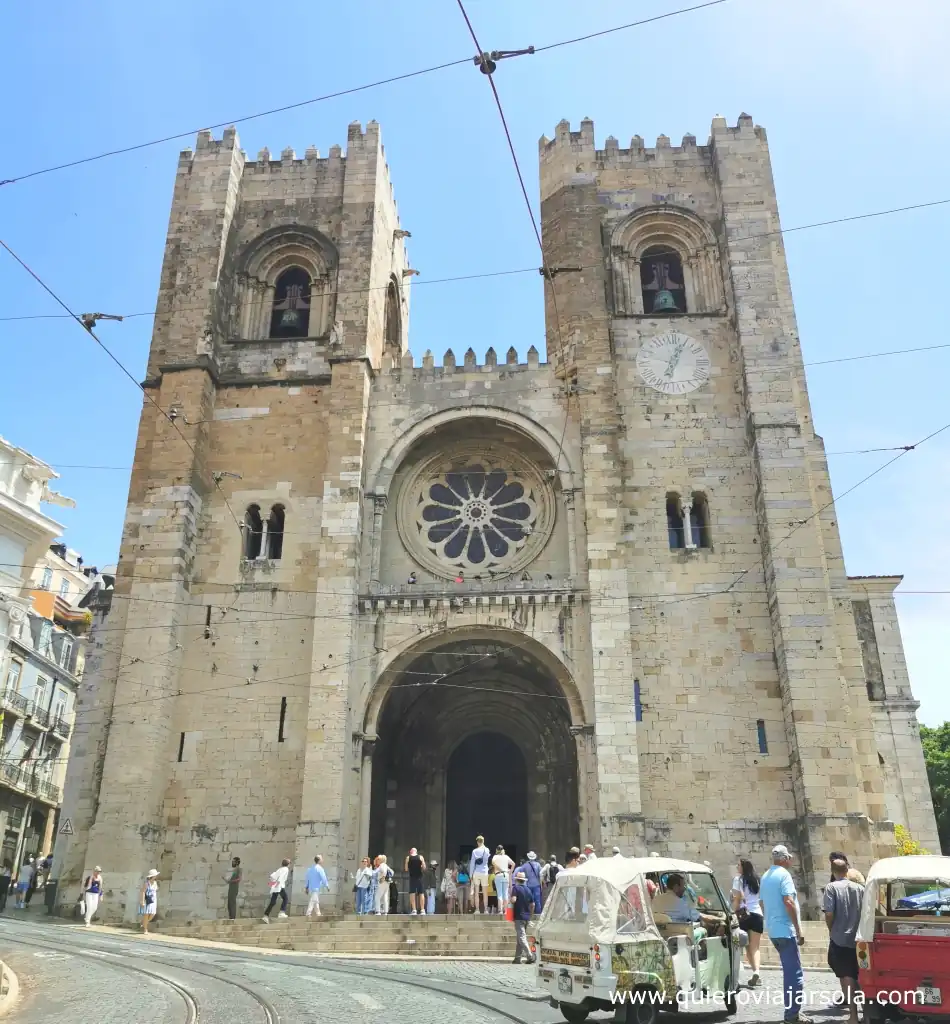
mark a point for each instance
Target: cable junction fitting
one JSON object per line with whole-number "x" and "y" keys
{"x": 89, "y": 320}
{"x": 488, "y": 62}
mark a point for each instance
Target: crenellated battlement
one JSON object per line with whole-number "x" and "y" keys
{"x": 574, "y": 153}
{"x": 358, "y": 141}
{"x": 470, "y": 364}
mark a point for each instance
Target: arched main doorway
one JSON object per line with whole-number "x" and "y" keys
{"x": 474, "y": 738}
{"x": 486, "y": 792}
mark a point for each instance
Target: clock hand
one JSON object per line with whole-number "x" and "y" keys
{"x": 674, "y": 361}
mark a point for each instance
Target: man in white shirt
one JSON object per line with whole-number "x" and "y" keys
{"x": 478, "y": 869}
{"x": 278, "y": 890}
{"x": 589, "y": 852}
{"x": 503, "y": 866}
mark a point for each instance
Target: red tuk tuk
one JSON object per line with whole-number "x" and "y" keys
{"x": 903, "y": 940}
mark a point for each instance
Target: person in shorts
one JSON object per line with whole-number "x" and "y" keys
{"x": 745, "y": 904}
{"x": 842, "y": 906}
{"x": 416, "y": 866}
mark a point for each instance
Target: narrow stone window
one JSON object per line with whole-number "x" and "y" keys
{"x": 661, "y": 279}
{"x": 253, "y": 532}
{"x": 275, "y": 532}
{"x": 181, "y": 748}
{"x": 392, "y": 342}
{"x": 699, "y": 521}
{"x": 674, "y": 522}
{"x": 763, "y": 738}
{"x": 637, "y": 706}
{"x": 283, "y": 719}
{"x": 208, "y": 622}
{"x": 290, "y": 314}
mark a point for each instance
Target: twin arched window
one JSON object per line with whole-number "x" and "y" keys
{"x": 687, "y": 522}
{"x": 665, "y": 261}
{"x": 263, "y": 539}
{"x": 286, "y": 286}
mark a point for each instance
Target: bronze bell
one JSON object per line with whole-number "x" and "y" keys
{"x": 291, "y": 318}
{"x": 664, "y": 302}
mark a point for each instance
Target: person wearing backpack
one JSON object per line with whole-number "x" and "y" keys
{"x": 532, "y": 873}
{"x": 478, "y": 869}
{"x": 549, "y": 875}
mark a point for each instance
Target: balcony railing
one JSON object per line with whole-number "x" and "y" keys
{"x": 30, "y": 782}
{"x": 62, "y": 728}
{"x": 15, "y": 702}
{"x": 39, "y": 715}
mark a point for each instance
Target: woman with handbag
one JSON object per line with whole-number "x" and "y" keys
{"x": 363, "y": 887}
{"x": 746, "y": 906}
{"x": 148, "y": 899}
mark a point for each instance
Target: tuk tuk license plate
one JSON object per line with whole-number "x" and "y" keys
{"x": 927, "y": 996}
{"x": 565, "y": 984}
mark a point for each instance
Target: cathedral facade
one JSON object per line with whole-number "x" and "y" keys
{"x": 367, "y": 602}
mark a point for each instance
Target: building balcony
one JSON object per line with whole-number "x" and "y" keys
{"x": 15, "y": 702}
{"x": 76, "y": 620}
{"x": 29, "y": 782}
{"x": 62, "y": 728}
{"x": 38, "y": 715}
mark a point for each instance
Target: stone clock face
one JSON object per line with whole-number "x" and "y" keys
{"x": 673, "y": 363}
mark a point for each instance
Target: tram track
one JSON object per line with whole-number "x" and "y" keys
{"x": 98, "y": 950}
{"x": 112, "y": 958}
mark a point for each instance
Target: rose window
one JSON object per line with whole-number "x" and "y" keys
{"x": 475, "y": 515}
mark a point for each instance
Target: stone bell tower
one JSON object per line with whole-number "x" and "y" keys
{"x": 716, "y": 572}
{"x": 219, "y": 723}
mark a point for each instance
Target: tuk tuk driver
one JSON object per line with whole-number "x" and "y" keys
{"x": 680, "y": 910}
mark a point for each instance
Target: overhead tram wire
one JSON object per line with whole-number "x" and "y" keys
{"x": 593, "y": 266}
{"x": 346, "y": 92}
{"x": 89, "y": 330}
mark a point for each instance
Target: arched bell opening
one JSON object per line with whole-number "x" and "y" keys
{"x": 474, "y": 738}
{"x": 662, "y": 281}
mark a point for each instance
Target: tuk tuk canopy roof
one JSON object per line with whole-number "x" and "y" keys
{"x": 894, "y": 869}
{"x": 897, "y": 869}
{"x": 620, "y": 872}
{"x": 613, "y": 904}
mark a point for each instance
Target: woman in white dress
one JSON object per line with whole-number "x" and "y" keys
{"x": 148, "y": 899}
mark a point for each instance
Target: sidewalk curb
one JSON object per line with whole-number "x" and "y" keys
{"x": 9, "y": 989}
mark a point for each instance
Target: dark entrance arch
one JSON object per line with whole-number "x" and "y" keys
{"x": 473, "y": 737}
{"x": 486, "y": 793}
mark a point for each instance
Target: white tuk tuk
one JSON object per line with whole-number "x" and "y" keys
{"x": 615, "y": 935}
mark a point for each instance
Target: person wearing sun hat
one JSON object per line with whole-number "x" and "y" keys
{"x": 148, "y": 899}
{"x": 522, "y": 903}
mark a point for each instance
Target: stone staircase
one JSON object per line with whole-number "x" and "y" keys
{"x": 395, "y": 935}
{"x": 400, "y": 935}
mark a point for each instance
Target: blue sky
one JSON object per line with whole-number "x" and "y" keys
{"x": 853, "y": 95}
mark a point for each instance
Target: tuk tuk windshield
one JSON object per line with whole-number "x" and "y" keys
{"x": 701, "y": 891}
{"x": 917, "y": 898}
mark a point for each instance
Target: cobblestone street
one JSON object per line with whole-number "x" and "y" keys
{"x": 64, "y": 971}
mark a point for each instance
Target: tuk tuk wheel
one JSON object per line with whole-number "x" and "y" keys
{"x": 732, "y": 1005}
{"x": 644, "y": 1010}
{"x": 574, "y": 1014}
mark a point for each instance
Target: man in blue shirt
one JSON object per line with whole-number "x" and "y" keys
{"x": 778, "y": 901}
{"x": 522, "y": 901}
{"x": 316, "y": 880}
{"x": 531, "y": 870}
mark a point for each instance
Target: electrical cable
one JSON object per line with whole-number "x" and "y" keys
{"x": 88, "y": 329}
{"x": 342, "y": 92}
{"x": 590, "y": 266}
